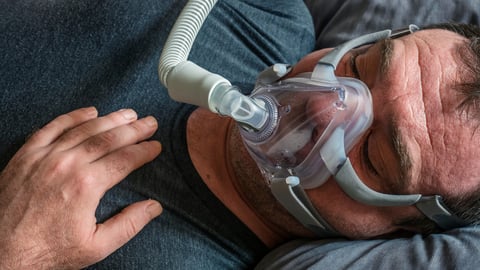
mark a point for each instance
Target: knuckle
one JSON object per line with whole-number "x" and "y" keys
{"x": 131, "y": 228}
{"x": 26, "y": 159}
{"x": 59, "y": 123}
{"x": 40, "y": 133}
{"x": 108, "y": 136}
{"x": 137, "y": 128}
{"x": 149, "y": 150}
{"x": 100, "y": 142}
{"x": 123, "y": 162}
{"x": 70, "y": 135}
{"x": 45, "y": 131}
{"x": 60, "y": 164}
{"x": 85, "y": 182}
{"x": 128, "y": 153}
{"x": 118, "y": 166}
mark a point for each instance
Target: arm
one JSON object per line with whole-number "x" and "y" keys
{"x": 51, "y": 187}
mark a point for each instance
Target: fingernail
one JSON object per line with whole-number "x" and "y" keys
{"x": 128, "y": 114}
{"x": 151, "y": 121}
{"x": 154, "y": 208}
{"x": 91, "y": 110}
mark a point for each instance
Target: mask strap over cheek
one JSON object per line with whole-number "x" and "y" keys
{"x": 431, "y": 206}
{"x": 291, "y": 195}
{"x": 340, "y": 166}
{"x": 435, "y": 210}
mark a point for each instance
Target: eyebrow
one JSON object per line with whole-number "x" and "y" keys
{"x": 386, "y": 52}
{"x": 398, "y": 141}
{"x": 404, "y": 156}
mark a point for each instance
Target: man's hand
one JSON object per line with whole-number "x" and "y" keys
{"x": 51, "y": 188}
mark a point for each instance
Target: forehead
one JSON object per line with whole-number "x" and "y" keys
{"x": 424, "y": 69}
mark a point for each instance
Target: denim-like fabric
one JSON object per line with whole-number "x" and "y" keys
{"x": 56, "y": 56}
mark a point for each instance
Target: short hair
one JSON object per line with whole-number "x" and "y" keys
{"x": 467, "y": 206}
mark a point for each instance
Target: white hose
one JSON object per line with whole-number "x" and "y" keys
{"x": 186, "y": 81}
{"x": 189, "y": 83}
{"x": 183, "y": 34}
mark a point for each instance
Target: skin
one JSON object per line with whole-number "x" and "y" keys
{"x": 416, "y": 97}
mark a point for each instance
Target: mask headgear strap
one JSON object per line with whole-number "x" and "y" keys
{"x": 324, "y": 71}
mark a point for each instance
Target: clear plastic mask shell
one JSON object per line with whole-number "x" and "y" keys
{"x": 303, "y": 114}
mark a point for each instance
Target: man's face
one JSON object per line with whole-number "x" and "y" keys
{"x": 419, "y": 142}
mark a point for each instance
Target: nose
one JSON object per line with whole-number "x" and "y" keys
{"x": 320, "y": 109}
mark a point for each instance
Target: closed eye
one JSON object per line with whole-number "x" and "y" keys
{"x": 353, "y": 59}
{"x": 366, "y": 156}
{"x": 353, "y": 64}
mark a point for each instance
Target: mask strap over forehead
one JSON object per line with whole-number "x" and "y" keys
{"x": 324, "y": 71}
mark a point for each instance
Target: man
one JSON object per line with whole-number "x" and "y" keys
{"x": 52, "y": 185}
{"x": 413, "y": 104}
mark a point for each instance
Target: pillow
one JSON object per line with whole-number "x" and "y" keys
{"x": 338, "y": 21}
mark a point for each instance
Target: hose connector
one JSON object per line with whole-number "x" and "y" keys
{"x": 229, "y": 101}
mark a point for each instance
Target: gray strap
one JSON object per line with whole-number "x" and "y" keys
{"x": 324, "y": 70}
{"x": 273, "y": 73}
{"x": 334, "y": 157}
{"x": 333, "y": 57}
{"x": 434, "y": 209}
{"x": 292, "y": 196}
{"x": 348, "y": 180}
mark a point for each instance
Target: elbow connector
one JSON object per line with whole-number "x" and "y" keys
{"x": 229, "y": 101}
{"x": 189, "y": 83}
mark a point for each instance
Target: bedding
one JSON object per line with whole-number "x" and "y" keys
{"x": 337, "y": 21}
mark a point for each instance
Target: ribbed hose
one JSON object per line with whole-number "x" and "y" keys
{"x": 183, "y": 34}
{"x": 189, "y": 83}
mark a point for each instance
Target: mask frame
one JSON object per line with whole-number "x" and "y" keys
{"x": 290, "y": 193}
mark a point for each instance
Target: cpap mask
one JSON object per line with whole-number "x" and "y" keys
{"x": 308, "y": 116}
{"x": 298, "y": 130}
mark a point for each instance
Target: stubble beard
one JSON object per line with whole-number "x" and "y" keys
{"x": 255, "y": 191}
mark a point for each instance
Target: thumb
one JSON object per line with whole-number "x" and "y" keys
{"x": 118, "y": 230}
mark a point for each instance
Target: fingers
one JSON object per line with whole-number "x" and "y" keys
{"x": 113, "y": 154}
{"x": 110, "y": 140}
{"x": 106, "y": 148}
{"x": 118, "y": 164}
{"x": 96, "y": 126}
{"x": 119, "y": 229}
{"x": 50, "y": 132}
